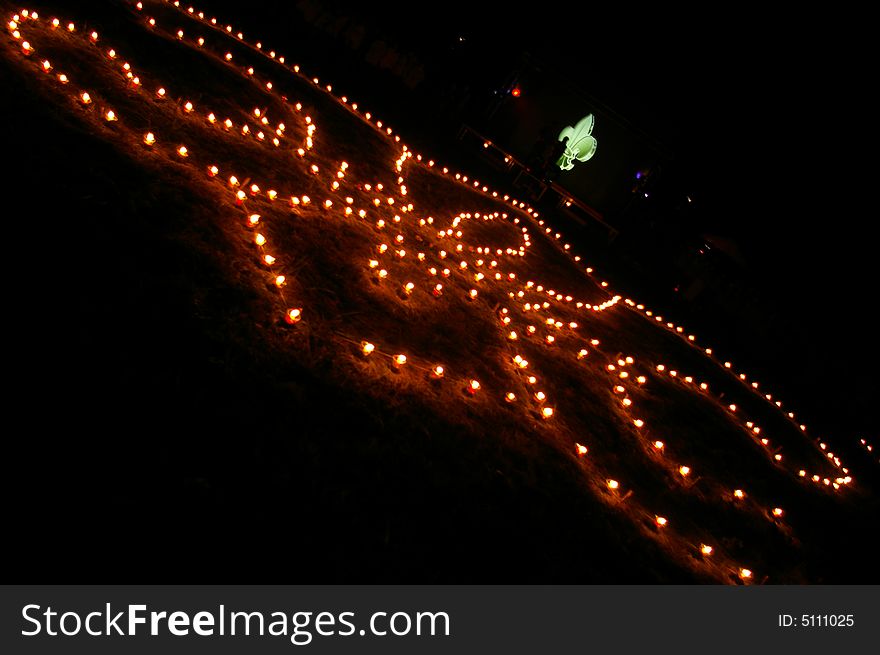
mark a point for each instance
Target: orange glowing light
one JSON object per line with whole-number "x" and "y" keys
{"x": 684, "y": 470}
{"x": 510, "y": 397}
{"x": 293, "y": 316}
{"x": 183, "y": 152}
{"x": 367, "y": 347}
{"x": 149, "y": 138}
{"x": 399, "y": 360}
{"x": 581, "y": 450}
{"x": 706, "y": 550}
{"x": 547, "y": 412}
{"x": 661, "y": 521}
{"x": 777, "y": 511}
{"x": 745, "y": 574}
{"x": 739, "y": 493}
{"x": 613, "y": 484}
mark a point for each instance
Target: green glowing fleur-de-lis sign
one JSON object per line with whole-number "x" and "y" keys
{"x": 581, "y": 145}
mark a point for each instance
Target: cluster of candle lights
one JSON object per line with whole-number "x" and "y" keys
{"x": 529, "y": 301}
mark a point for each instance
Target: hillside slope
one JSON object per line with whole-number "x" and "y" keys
{"x": 215, "y": 291}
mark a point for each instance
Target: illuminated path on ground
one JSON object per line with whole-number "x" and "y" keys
{"x": 480, "y": 258}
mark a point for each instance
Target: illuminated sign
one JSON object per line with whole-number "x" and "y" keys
{"x": 581, "y": 146}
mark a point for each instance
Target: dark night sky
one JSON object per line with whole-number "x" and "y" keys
{"x": 765, "y": 112}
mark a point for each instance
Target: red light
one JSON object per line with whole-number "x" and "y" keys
{"x": 516, "y": 93}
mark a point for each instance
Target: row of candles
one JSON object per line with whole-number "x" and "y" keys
{"x": 678, "y": 330}
{"x": 294, "y": 315}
